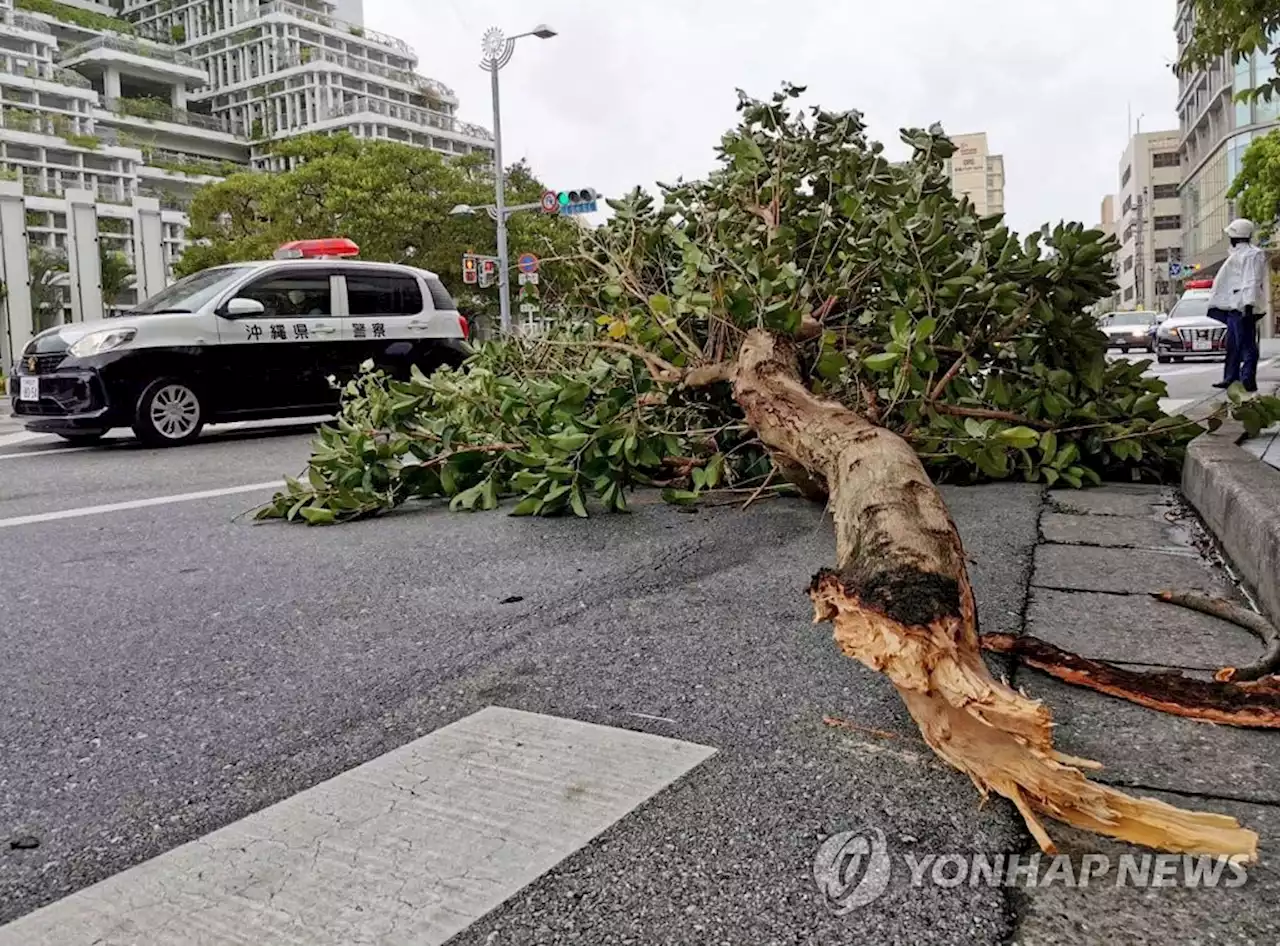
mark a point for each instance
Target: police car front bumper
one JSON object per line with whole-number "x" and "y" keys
{"x": 64, "y": 400}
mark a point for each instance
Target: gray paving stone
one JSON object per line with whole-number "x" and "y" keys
{"x": 1113, "y": 531}
{"x": 1112, "y": 500}
{"x": 1138, "y": 746}
{"x": 1127, "y": 915}
{"x": 1122, "y": 571}
{"x": 1137, "y": 629}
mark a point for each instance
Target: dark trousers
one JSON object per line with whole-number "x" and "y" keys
{"x": 1242, "y": 349}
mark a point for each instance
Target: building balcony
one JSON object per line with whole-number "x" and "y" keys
{"x": 432, "y": 89}
{"x": 158, "y": 160}
{"x": 88, "y": 21}
{"x": 135, "y": 57}
{"x": 155, "y": 110}
{"x": 21, "y": 21}
{"x": 283, "y": 8}
{"x": 25, "y": 66}
{"x": 423, "y": 117}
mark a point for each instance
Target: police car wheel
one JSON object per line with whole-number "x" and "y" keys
{"x": 169, "y": 414}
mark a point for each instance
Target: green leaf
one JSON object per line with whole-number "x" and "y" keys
{"x": 901, "y": 325}
{"x": 579, "y": 503}
{"x": 975, "y": 429}
{"x": 715, "y": 471}
{"x": 994, "y": 462}
{"x": 527, "y": 506}
{"x": 318, "y": 516}
{"x": 1048, "y": 445}
{"x": 925, "y": 328}
{"x": 679, "y": 497}
{"x": 1023, "y": 438}
{"x": 661, "y": 306}
{"x": 882, "y": 361}
{"x": 831, "y": 365}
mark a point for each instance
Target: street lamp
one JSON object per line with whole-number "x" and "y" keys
{"x": 496, "y": 53}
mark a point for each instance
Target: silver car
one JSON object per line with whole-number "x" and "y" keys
{"x": 1189, "y": 332}
{"x": 1126, "y": 330}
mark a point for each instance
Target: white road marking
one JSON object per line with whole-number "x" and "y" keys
{"x": 22, "y": 436}
{"x": 53, "y": 452}
{"x": 138, "y": 504}
{"x": 412, "y": 847}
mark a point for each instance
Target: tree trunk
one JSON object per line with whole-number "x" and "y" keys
{"x": 900, "y": 602}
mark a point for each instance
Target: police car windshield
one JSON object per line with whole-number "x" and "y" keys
{"x": 190, "y": 294}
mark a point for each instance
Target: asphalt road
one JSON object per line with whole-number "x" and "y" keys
{"x": 168, "y": 667}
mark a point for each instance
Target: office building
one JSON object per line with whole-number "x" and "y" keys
{"x": 1148, "y": 221}
{"x": 977, "y": 174}
{"x": 112, "y": 115}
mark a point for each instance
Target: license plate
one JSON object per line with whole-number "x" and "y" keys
{"x": 28, "y": 389}
{"x": 1202, "y": 344}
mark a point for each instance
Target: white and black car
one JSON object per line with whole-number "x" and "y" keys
{"x": 1189, "y": 332}
{"x": 1126, "y": 330}
{"x": 246, "y": 341}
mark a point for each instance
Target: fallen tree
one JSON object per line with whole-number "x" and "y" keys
{"x": 812, "y": 317}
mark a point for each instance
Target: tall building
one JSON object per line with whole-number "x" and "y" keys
{"x": 1149, "y": 220}
{"x": 1107, "y": 224}
{"x": 1215, "y": 131}
{"x": 112, "y": 115}
{"x": 977, "y": 173}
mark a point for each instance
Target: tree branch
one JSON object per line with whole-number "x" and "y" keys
{"x": 983, "y": 413}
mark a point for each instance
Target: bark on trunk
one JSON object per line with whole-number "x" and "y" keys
{"x": 1252, "y": 705}
{"x": 900, "y": 602}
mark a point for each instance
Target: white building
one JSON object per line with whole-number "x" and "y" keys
{"x": 113, "y": 114}
{"x": 1149, "y": 221}
{"x": 976, "y": 173}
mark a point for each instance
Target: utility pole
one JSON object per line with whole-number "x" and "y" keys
{"x": 1140, "y": 265}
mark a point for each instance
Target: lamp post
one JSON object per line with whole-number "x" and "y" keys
{"x": 497, "y": 49}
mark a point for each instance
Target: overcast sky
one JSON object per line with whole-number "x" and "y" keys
{"x": 637, "y": 91}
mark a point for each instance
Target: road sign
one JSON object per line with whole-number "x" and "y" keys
{"x": 1175, "y": 270}
{"x": 528, "y": 263}
{"x": 550, "y": 202}
{"x": 528, "y": 307}
{"x": 528, "y": 279}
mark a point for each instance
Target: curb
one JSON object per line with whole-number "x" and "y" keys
{"x": 1238, "y": 497}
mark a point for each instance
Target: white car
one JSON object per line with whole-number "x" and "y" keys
{"x": 1189, "y": 332}
{"x": 1126, "y": 330}
{"x": 246, "y": 341}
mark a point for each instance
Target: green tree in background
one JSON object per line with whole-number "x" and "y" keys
{"x": 1256, "y": 189}
{"x": 44, "y": 266}
{"x": 117, "y": 276}
{"x": 1235, "y": 28}
{"x": 393, "y": 200}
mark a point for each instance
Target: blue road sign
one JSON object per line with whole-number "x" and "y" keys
{"x": 1175, "y": 270}
{"x": 588, "y": 207}
{"x": 527, "y": 263}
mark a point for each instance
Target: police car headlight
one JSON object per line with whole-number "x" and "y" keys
{"x": 95, "y": 343}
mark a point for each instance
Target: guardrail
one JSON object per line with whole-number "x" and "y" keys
{"x": 40, "y": 69}
{"x": 23, "y": 22}
{"x": 157, "y": 110}
{"x": 132, "y": 46}
{"x": 323, "y": 19}
{"x": 419, "y": 116}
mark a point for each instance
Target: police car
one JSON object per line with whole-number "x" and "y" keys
{"x": 246, "y": 341}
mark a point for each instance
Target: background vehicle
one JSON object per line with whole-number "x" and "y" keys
{"x": 1189, "y": 332}
{"x": 1125, "y": 330}
{"x": 246, "y": 341}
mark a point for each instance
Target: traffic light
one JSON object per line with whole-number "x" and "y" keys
{"x": 582, "y": 201}
{"x": 469, "y": 274}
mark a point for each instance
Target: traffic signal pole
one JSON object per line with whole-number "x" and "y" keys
{"x": 504, "y": 285}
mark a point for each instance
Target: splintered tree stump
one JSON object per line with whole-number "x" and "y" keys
{"x": 900, "y": 602}
{"x": 1254, "y": 705}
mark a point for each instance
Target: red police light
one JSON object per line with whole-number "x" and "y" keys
{"x": 329, "y": 248}
{"x": 1198, "y": 284}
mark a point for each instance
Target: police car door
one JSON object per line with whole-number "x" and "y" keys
{"x": 387, "y": 317}
{"x": 282, "y": 358}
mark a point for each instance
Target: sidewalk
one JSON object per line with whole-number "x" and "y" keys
{"x": 1102, "y": 551}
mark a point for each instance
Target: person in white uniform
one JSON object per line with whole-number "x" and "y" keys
{"x": 1237, "y": 300}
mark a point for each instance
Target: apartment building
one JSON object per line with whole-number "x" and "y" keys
{"x": 113, "y": 114}
{"x": 977, "y": 174}
{"x": 1215, "y": 130}
{"x": 1149, "y": 221}
{"x": 1107, "y": 224}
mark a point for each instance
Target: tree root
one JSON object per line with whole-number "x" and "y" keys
{"x": 901, "y": 604}
{"x": 1249, "y": 705}
{"x": 1255, "y": 624}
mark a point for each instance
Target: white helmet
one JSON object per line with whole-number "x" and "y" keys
{"x": 1240, "y": 229}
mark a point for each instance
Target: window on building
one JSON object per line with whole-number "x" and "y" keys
{"x": 1128, "y": 294}
{"x": 1128, "y": 205}
{"x": 1124, "y": 178}
{"x": 1128, "y": 264}
{"x": 1164, "y": 159}
{"x": 1161, "y": 256}
{"x": 1164, "y": 191}
{"x": 1169, "y": 223}
{"x": 1128, "y": 234}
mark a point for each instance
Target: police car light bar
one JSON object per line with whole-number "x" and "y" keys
{"x": 333, "y": 248}
{"x": 1198, "y": 284}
